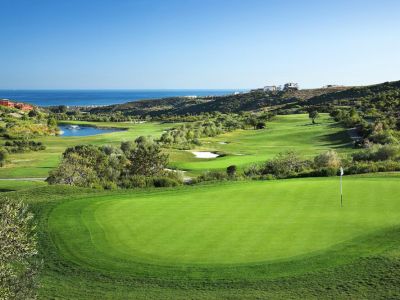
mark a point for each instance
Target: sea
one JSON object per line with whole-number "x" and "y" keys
{"x": 100, "y": 97}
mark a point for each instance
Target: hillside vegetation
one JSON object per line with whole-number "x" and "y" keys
{"x": 226, "y": 104}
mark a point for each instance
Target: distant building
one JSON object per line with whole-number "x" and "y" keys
{"x": 331, "y": 86}
{"x": 7, "y": 103}
{"x": 270, "y": 88}
{"x": 21, "y": 106}
{"x": 291, "y": 86}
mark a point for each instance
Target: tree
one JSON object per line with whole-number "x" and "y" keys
{"x": 33, "y": 113}
{"x": 52, "y": 122}
{"x": 313, "y": 115}
{"x": 147, "y": 158}
{"x": 252, "y": 121}
{"x": 62, "y": 109}
{"x": 89, "y": 166}
{"x": 18, "y": 262}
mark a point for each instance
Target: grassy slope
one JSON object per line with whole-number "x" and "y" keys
{"x": 38, "y": 164}
{"x": 363, "y": 263}
{"x": 290, "y": 132}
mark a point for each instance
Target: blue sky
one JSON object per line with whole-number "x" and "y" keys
{"x": 197, "y": 43}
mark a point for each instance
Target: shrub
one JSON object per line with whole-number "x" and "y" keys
{"x": 135, "y": 181}
{"x": 212, "y": 176}
{"x": 253, "y": 170}
{"x": 164, "y": 182}
{"x": 231, "y": 171}
{"x": 328, "y": 159}
{"x": 284, "y": 165}
{"x": 370, "y": 167}
{"x": 323, "y": 172}
{"x": 3, "y": 156}
{"x": 378, "y": 153}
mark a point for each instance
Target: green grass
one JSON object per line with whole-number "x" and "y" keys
{"x": 38, "y": 164}
{"x": 290, "y": 132}
{"x": 239, "y": 240}
{"x": 239, "y": 223}
{"x": 17, "y": 185}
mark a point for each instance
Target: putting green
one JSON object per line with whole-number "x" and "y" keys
{"x": 235, "y": 223}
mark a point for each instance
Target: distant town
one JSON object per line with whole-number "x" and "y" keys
{"x": 18, "y": 105}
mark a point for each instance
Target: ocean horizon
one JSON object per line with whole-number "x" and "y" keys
{"x": 103, "y": 97}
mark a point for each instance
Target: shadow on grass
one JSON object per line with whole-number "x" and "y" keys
{"x": 339, "y": 139}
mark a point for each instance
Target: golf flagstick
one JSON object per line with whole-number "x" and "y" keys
{"x": 341, "y": 187}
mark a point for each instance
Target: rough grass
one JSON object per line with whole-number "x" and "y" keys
{"x": 326, "y": 252}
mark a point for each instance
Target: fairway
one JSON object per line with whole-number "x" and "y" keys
{"x": 225, "y": 224}
{"x": 283, "y": 133}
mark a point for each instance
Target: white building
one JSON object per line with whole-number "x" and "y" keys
{"x": 270, "y": 88}
{"x": 291, "y": 86}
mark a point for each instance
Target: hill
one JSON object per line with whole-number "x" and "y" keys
{"x": 250, "y": 101}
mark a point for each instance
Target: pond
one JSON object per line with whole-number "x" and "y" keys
{"x": 84, "y": 130}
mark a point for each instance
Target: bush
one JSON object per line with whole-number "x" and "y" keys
{"x": 371, "y": 167}
{"x": 285, "y": 165}
{"x": 3, "y": 156}
{"x": 328, "y": 159}
{"x": 135, "y": 181}
{"x": 164, "y": 182}
{"x": 212, "y": 176}
{"x": 378, "y": 153}
{"x": 231, "y": 171}
{"x": 323, "y": 172}
{"x": 253, "y": 170}
{"x": 19, "y": 146}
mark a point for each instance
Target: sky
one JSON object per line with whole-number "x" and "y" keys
{"x": 197, "y": 44}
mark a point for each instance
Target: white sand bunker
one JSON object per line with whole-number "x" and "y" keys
{"x": 223, "y": 143}
{"x": 205, "y": 154}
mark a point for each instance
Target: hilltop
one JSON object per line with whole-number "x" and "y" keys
{"x": 259, "y": 100}
{"x": 249, "y": 101}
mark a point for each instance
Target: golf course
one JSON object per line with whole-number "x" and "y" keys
{"x": 226, "y": 239}
{"x": 274, "y": 239}
{"x": 243, "y": 147}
